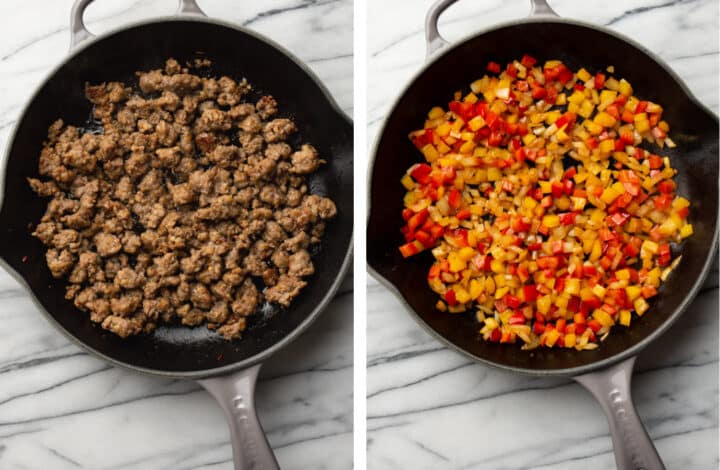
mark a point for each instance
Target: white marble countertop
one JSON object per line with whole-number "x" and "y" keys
{"x": 62, "y": 409}
{"x": 431, "y": 408}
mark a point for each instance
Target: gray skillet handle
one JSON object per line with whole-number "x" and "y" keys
{"x": 79, "y": 33}
{"x": 611, "y": 387}
{"x": 435, "y": 41}
{"x": 236, "y": 395}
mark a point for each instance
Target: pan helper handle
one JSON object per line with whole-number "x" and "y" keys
{"x": 79, "y": 33}
{"x": 236, "y": 395}
{"x": 435, "y": 41}
{"x": 611, "y": 387}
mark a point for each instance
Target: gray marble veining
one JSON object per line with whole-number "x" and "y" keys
{"x": 431, "y": 408}
{"x": 62, "y": 409}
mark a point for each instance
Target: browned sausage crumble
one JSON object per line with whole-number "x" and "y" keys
{"x": 187, "y": 197}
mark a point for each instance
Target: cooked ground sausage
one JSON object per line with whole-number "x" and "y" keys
{"x": 187, "y": 199}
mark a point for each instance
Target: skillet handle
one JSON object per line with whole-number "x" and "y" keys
{"x": 633, "y": 447}
{"x": 79, "y": 33}
{"x": 434, "y": 41}
{"x": 236, "y": 395}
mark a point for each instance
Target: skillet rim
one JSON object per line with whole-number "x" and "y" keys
{"x": 193, "y": 374}
{"x": 568, "y": 371}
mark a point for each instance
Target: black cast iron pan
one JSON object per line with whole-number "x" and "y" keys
{"x": 605, "y": 371}
{"x": 227, "y": 369}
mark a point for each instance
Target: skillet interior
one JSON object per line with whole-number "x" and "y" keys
{"x": 693, "y": 128}
{"x": 117, "y": 57}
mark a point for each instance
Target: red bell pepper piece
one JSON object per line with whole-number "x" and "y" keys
{"x": 628, "y": 176}
{"x": 594, "y": 325}
{"x": 564, "y": 74}
{"x": 606, "y": 235}
{"x": 465, "y": 110}
{"x": 418, "y": 219}
{"x": 548, "y": 262}
{"x": 409, "y": 249}
{"x": 568, "y": 118}
{"x": 424, "y": 238}
{"x": 454, "y": 198}
{"x": 491, "y": 119}
{"x": 664, "y": 249}
{"x": 633, "y": 189}
{"x": 421, "y": 172}
{"x": 613, "y": 110}
{"x": 496, "y": 138}
{"x": 550, "y": 94}
{"x": 463, "y": 214}
{"x": 482, "y": 262}
{"x": 619, "y": 218}
{"x": 516, "y": 319}
{"x": 567, "y": 218}
{"x": 589, "y": 270}
{"x": 493, "y": 67}
{"x": 460, "y": 235}
{"x": 648, "y": 291}
{"x": 450, "y": 298}
{"x": 574, "y": 304}
{"x": 587, "y": 306}
{"x": 519, "y": 225}
{"x": 522, "y": 129}
{"x": 528, "y": 60}
{"x": 627, "y": 116}
{"x": 666, "y": 187}
{"x": 631, "y": 250}
{"x": 536, "y": 194}
{"x": 538, "y": 92}
{"x": 522, "y": 273}
{"x": 530, "y": 293}
{"x": 513, "y": 302}
{"x": 437, "y": 231}
{"x": 599, "y": 81}
{"x": 662, "y": 201}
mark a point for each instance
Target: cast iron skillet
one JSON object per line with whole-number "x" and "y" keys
{"x": 227, "y": 369}
{"x": 606, "y": 371}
